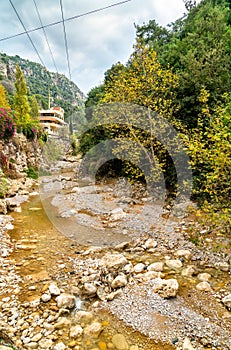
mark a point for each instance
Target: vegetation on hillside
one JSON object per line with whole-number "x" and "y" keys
{"x": 183, "y": 73}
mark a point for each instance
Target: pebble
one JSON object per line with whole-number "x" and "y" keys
{"x": 119, "y": 341}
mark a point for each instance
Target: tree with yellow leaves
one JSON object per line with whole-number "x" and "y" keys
{"x": 4, "y": 103}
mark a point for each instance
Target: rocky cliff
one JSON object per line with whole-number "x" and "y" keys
{"x": 63, "y": 92}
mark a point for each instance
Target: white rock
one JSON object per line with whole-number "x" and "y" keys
{"x": 119, "y": 281}
{"x": 76, "y": 331}
{"x": 59, "y": 346}
{"x": 223, "y": 266}
{"x": 184, "y": 253}
{"x": 165, "y": 288}
{"x": 46, "y": 297}
{"x": 53, "y": 289}
{"x": 227, "y": 301}
{"x": 150, "y": 243}
{"x": 189, "y": 271}
{"x": 114, "y": 261}
{"x": 174, "y": 264}
{"x": 187, "y": 345}
{"x": 93, "y": 330}
{"x": 204, "y": 277}
{"x": 156, "y": 266}
{"x": 139, "y": 267}
{"x": 65, "y": 301}
{"x": 204, "y": 287}
{"x": 90, "y": 288}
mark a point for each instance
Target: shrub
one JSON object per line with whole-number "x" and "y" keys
{"x": 7, "y": 125}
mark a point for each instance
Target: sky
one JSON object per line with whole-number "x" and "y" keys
{"x": 95, "y": 41}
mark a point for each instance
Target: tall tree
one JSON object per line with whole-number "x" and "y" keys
{"x": 34, "y": 108}
{"x": 21, "y": 102}
{"x": 3, "y": 98}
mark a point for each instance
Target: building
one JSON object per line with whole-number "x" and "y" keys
{"x": 52, "y": 121}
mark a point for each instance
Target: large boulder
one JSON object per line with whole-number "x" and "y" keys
{"x": 165, "y": 288}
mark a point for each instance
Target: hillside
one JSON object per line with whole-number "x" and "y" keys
{"x": 63, "y": 91}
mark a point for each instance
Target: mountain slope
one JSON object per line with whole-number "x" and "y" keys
{"x": 63, "y": 92}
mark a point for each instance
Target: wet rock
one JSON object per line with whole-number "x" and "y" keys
{"x": 93, "y": 330}
{"x": 65, "y": 301}
{"x": 174, "y": 264}
{"x": 227, "y": 301}
{"x": 165, "y": 288}
{"x": 157, "y": 266}
{"x": 82, "y": 316}
{"x": 119, "y": 281}
{"x": 119, "y": 341}
{"x": 189, "y": 271}
{"x": 203, "y": 286}
{"x": 187, "y": 345}
{"x": 62, "y": 322}
{"x": 53, "y": 289}
{"x": 76, "y": 331}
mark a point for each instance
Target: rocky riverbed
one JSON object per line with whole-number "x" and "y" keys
{"x": 134, "y": 282}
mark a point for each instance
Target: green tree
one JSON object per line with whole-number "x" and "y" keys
{"x": 21, "y": 102}
{"x": 34, "y": 112}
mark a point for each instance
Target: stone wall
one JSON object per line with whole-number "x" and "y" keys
{"x": 17, "y": 157}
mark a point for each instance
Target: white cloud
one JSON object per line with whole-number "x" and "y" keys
{"x": 95, "y": 41}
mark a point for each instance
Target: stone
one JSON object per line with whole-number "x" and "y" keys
{"x": 156, "y": 266}
{"x": 119, "y": 281}
{"x": 59, "y": 346}
{"x": 187, "y": 345}
{"x": 184, "y": 253}
{"x": 150, "y": 243}
{"x": 89, "y": 289}
{"x": 165, "y": 288}
{"x": 174, "y": 264}
{"x": 53, "y": 289}
{"x": 204, "y": 277}
{"x": 139, "y": 268}
{"x": 46, "y": 297}
{"x": 62, "y": 322}
{"x": 203, "y": 286}
{"x": 134, "y": 347}
{"x": 76, "y": 331}
{"x": 189, "y": 271}
{"x": 65, "y": 301}
{"x": 114, "y": 261}
{"x": 119, "y": 341}
{"x": 31, "y": 345}
{"x": 93, "y": 330}
{"x": 83, "y": 316}
{"x": 223, "y": 266}
{"x": 36, "y": 337}
{"x": 227, "y": 301}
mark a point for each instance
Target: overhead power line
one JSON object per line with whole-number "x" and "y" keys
{"x": 26, "y": 32}
{"x": 65, "y": 20}
{"x": 65, "y": 40}
{"x": 45, "y": 35}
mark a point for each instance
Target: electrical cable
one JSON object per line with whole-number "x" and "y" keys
{"x": 26, "y": 32}
{"x": 65, "y": 20}
{"x": 65, "y": 40}
{"x": 45, "y": 35}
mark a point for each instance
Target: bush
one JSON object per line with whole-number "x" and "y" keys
{"x": 7, "y": 125}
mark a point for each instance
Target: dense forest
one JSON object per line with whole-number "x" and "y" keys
{"x": 182, "y": 72}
